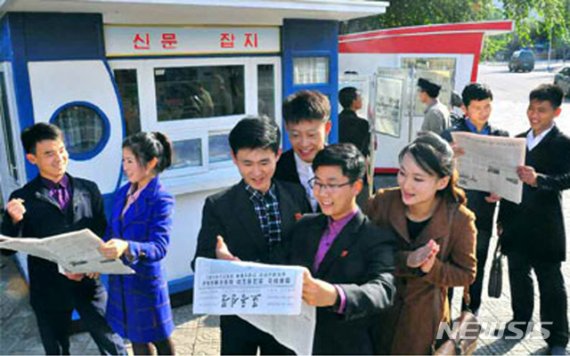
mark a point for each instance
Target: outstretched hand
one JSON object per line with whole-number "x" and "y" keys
{"x": 223, "y": 252}
{"x": 317, "y": 292}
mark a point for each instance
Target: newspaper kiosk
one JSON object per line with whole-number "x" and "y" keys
{"x": 101, "y": 70}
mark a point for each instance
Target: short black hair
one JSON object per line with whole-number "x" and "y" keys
{"x": 476, "y": 91}
{"x": 148, "y": 145}
{"x": 548, "y": 92}
{"x": 432, "y": 89}
{"x": 306, "y": 105}
{"x": 37, "y": 133}
{"x": 255, "y": 132}
{"x": 346, "y": 96}
{"x": 343, "y": 155}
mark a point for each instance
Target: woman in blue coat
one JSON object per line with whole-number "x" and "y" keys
{"x": 139, "y": 232}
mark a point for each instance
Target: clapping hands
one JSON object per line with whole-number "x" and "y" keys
{"x": 424, "y": 257}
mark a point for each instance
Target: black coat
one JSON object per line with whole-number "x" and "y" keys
{"x": 287, "y": 168}
{"x": 361, "y": 262}
{"x": 230, "y": 214}
{"x": 484, "y": 211}
{"x": 355, "y": 130}
{"x": 49, "y": 289}
{"x": 535, "y": 227}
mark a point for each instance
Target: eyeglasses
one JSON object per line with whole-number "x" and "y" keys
{"x": 313, "y": 183}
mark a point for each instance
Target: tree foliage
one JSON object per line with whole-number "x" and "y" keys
{"x": 546, "y": 17}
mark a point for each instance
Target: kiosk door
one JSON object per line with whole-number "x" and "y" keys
{"x": 9, "y": 167}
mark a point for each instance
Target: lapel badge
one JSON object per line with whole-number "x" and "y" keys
{"x": 298, "y": 216}
{"x": 344, "y": 253}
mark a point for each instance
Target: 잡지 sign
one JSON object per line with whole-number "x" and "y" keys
{"x": 156, "y": 41}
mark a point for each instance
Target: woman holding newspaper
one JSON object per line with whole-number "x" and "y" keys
{"x": 436, "y": 244}
{"x": 139, "y": 233}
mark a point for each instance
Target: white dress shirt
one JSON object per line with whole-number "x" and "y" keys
{"x": 532, "y": 142}
{"x": 306, "y": 173}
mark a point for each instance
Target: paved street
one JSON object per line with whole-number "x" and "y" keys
{"x": 200, "y": 336}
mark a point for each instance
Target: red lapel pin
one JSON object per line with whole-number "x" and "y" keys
{"x": 344, "y": 253}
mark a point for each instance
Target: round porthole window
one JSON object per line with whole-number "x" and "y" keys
{"x": 85, "y": 129}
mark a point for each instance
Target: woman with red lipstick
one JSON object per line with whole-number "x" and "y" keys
{"x": 138, "y": 308}
{"x": 436, "y": 244}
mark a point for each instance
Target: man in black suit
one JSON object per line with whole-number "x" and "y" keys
{"x": 356, "y": 130}
{"x": 350, "y": 260}
{"x": 306, "y": 114}
{"x": 55, "y": 203}
{"x": 532, "y": 232}
{"x": 253, "y": 219}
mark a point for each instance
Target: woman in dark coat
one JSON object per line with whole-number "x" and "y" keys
{"x": 436, "y": 242}
{"x": 139, "y": 307}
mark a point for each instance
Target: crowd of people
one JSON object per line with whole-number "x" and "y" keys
{"x": 379, "y": 269}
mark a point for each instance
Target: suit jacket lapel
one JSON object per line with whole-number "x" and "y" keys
{"x": 397, "y": 216}
{"x": 42, "y": 193}
{"x": 342, "y": 242}
{"x": 246, "y": 215}
{"x": 140, "y": 205}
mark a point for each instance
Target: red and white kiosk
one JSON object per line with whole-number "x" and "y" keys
{"x": 385, "y": 65}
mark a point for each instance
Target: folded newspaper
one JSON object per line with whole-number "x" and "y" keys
{"x": 266, "y": 296}
{"x": 75, "y": 252}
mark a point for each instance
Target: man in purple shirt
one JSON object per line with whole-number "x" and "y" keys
{"x": 55, "y": 203}
{"x": 348, "y": 259}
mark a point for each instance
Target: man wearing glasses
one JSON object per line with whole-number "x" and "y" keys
{"x": 348, "y": 259}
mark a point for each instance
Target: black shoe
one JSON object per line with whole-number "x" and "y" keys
{"x": 514, "y": 330}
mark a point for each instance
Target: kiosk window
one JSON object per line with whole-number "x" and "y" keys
{"x": 83, "y": 128}
{"x": 199, "y": 92}
{"x": 219, "y": 148}
{"x": 310, "y": 70}
{"x": 7, "y": 129}
{"x": 187, "y": 153}
{"x": 126, "y": 80}
{"x": 266, "y": 90}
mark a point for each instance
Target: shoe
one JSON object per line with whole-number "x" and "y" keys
{"x": 514, "y": 330}
{"x": 557, "y": 350}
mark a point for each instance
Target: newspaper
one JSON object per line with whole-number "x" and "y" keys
{"x": 75, "y": 252}
{"x": 267, "y": 296}
{"x": 490, "y": 164}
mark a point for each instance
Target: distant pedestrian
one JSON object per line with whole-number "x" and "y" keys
{"x": 436, "y": 117}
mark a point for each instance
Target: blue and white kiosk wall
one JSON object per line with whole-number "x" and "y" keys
{"x": 189, "y": 68}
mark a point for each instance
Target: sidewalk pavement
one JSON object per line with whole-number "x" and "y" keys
{"x": 199, "y": 335}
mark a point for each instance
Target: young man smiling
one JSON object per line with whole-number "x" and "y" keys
{"x": 55, "y": 203}
{"x": 348, "y": 259}
{"x": 477, "y": 106}
{"x": 306, "y": 114}
{"x": 532, "y": 232}
{"x": 253, "y": 219}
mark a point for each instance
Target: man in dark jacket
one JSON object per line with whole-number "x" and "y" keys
{"x": 355, "y": 130}
{"x": 532, "y": 232}
{"x": 253, "y": 219}
{"x": 477, "y": 105}
{"x": 55, "y": 203}
{"x": 349, "y": 260}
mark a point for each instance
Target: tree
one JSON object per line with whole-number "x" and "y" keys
{"x": 549, "y": 18}
{"x": 421, "y": 12}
